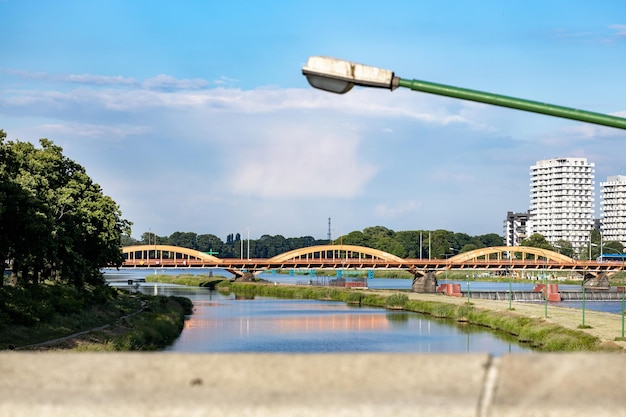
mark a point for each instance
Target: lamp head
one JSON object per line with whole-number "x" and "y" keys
{"x": 338, "y": 76}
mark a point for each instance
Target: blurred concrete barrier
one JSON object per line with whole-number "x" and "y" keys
{"x": 162, "y": 384}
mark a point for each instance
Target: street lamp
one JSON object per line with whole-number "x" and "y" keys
{"x": 623, "y": 288}
{"x": 583, "y": 325}
{"x": 623, "y": 291}
{"x": 339, "y": 76}
{"x": 510, "y": 277}
{"x": 545, "y": 284}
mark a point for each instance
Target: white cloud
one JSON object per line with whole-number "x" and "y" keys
{"x": 187, "y": 157}
{"x": 75, "y": 78}
{"x": 166, "y": 82}
{"x": 399, "y": 209}
{"x": 306, "y": 165}
{"x": 620, "y": 30}
{"x": 86, "y": 131}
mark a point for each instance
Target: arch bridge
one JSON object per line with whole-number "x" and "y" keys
{"x": 358, "y": 257}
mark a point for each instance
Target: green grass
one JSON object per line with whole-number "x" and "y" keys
{"x": 32, "y": 315}
{"x": 154, "y": 329}
{"x": 187, "y": 279}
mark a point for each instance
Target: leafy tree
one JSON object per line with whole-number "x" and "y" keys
{"x": 537, "y": 240}
{"x": 184, "y": 240}
{"x": 610, "y": 247}
{"x": 127, "y": 240}
{"x": 469, "y": 247}
{"x": 565, "y": 247}
{"x": 392, "y": 246}
{"x": 410, "y": 241}
{"x": 378, "y": 232}
{"x": 490, "y": 240}
{"x": 209, "y": 242}
{"x": 591, "y": 250}
{"x": 56, "y": 223}
{"x": 355, "y": 238}
{"x": 441, "y": 242}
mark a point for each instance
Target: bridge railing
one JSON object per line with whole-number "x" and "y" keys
{"x": 351, "y": 263}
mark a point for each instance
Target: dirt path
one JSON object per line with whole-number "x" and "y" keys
{"x": 605, "y": 326}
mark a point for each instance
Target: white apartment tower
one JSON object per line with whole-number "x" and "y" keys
{"x": 561, "y": 200}
{"x": 515, "y": 228}
{"x": 613, "y": 206}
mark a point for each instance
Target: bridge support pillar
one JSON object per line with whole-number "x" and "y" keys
{"x": 424, "y": 282}
{"x": 598, "y": 282}
{"x": 246, "y": 277}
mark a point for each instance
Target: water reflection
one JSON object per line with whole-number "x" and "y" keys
{"x": 226, "y": 323}
{"x": 221, "y": 323}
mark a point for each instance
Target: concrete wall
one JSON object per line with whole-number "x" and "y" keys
{"x": 160, "y": 384}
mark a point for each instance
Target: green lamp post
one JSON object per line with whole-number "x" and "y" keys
{"x": 338, "y": 76}
{"x": 623, "y": 257}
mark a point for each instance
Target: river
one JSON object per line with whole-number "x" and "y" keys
{"x": 225, "y": 323}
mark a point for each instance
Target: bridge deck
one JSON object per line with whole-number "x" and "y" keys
{"x": 406, "y": 264}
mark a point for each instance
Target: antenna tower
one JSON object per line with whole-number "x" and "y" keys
{"x": 329, "y": 235}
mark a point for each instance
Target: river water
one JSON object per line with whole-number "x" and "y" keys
{"x": 225, "y": 323}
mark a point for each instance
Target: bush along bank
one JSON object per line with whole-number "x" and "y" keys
{"x": 188, "y": 280}
{"x": 540, "y": 335}
{"x": 157, "y": 326}
{"x": 62, "y": 317}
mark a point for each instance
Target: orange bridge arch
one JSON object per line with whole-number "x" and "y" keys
{"x": 165, "y": 252}
{"x": 501, "y": 253}
{"x": 336, "y": 252}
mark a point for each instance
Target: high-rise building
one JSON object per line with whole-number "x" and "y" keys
{"x": 561, "y": 200}
{"x": 613, "y": 207}
{"x": 515, "y": 228}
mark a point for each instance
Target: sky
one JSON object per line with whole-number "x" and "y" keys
{"x": 194, "y": 116}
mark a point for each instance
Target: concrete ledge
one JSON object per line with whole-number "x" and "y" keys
{"x": 162, "y": 384}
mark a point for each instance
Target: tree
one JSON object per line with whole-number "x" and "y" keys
{"x": 209, "y": 242}
{"x": 537, "y": 240}
{"x": 410, "y": 240}
{"x": 565, "y": 247}
{"x": 440, "y": 243}
{"x": 491, "y": 240}
{"x": 613, "y": 246}
{"x": 184, "y": 240}
{"x": 592, "y": 249}
{"x": 469, "y": 247}
{"x": 355, "y": 238}
{"x": 378, "y": 232}
{"x": 127, "y": 240}
{"x": 57, "y": 223}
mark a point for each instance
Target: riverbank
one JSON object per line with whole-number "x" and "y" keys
{"x": 187, "y": 279}
{"x": 53, "y": 317}
{"x": 605, "y": 327}
{"x": 558, "y": 332}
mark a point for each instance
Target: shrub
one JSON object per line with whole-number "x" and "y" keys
{"x": 396, "y": 301}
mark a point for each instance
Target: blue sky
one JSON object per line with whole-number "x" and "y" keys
{"x": 194, "y": 116}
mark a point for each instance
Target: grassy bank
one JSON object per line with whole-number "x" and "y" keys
{"x": 535, "y": 332}
{"x": 187, "y": 279}
{"x": 157, "y": 326}
{"x": 37, "y": 314}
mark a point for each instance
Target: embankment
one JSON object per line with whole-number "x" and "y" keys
{"x": 59, "y": 317}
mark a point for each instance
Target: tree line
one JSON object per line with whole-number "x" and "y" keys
{"x": 434, "y": 244}
{"x": 55, "y": 222}
{"x": 405, "y": 244}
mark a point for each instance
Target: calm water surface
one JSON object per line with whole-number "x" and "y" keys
{"x": 224, "y": 323}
